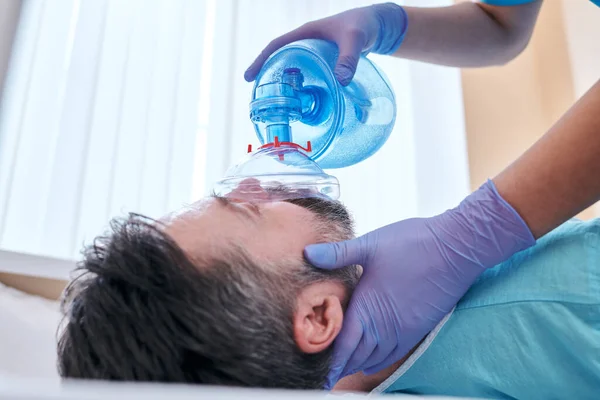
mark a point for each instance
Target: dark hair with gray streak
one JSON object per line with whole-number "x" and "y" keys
{"x": 141, "y": 310}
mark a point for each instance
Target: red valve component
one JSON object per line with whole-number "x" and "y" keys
{"x": 277, "y": 144}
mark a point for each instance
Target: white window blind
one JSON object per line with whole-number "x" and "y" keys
{"x": 100, "y": 116}
{"x": 113, "y": 106}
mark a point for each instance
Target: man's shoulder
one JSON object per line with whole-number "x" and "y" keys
{"x": 564, "y": 266}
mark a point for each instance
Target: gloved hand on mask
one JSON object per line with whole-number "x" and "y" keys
{"x": 379, "y": 29}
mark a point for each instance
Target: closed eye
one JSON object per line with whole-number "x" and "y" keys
{"x": 252, "y": 210}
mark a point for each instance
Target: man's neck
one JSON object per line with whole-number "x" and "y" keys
{"x": 360, "y": 382}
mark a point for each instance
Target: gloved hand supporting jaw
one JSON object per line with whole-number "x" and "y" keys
{"x": 379, "y": 28}
{"x": 414, "y": 272}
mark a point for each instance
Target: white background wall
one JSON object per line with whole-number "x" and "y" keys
{"x": 9, "y": 17}
{"x": 140, "y": 106}
{"x": 422, "y": 170}
{"x": 27, "y": 334}
{"x": 583, "y": 37}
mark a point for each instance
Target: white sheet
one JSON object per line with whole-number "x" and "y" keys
{"x": 27, "y": 334}
{"x": 51, "y": 390}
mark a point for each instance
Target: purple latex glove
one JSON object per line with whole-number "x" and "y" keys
{"x": 379, "y": 28}
{"x": 415, "y": 271}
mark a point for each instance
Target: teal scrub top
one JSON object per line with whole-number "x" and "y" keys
{"x": 528, "y": 329}
{"x": 517, "y": 2}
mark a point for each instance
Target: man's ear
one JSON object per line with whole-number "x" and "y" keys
{"x": 318, "y": 316}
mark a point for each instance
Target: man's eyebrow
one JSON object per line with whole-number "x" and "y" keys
{"x": 226, "y": 201}
{"x": 221, "y": 199}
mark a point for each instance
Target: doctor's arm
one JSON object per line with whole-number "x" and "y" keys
{"x": 463, "y": 35}
{"x": 560, "y": 175}
{"x": 468, "y": 34}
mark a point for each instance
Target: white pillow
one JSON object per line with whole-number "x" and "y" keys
{"x": 28, "y": 327}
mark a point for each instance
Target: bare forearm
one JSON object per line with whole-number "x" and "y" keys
{"x": 560, "y": 175}
{"x": 467, "y": 34}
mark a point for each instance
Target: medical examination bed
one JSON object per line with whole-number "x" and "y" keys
{"x": 36, "y": 389}
{"x": 29, "y": 289}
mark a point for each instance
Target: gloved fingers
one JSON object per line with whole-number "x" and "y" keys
{"x": 350, "y": 49}
{"x": 307, "y": 31}
{"x": 385, "y": 347}
{"x": 363, "y": 351}
{"x": 394, "y": 356}
{"x": 346, "y": 343}
{"x": 385, "y": 326}
{"x": 335, "y": 255}
{"x": 381, "y": 366}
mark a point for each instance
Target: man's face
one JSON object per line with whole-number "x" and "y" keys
{"x": 270, "y": 231}
{"x": 218, "y": 293}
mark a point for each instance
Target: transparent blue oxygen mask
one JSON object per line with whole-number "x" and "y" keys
{"x": 283, "y": 172}
{"x": 306, "y": 121}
